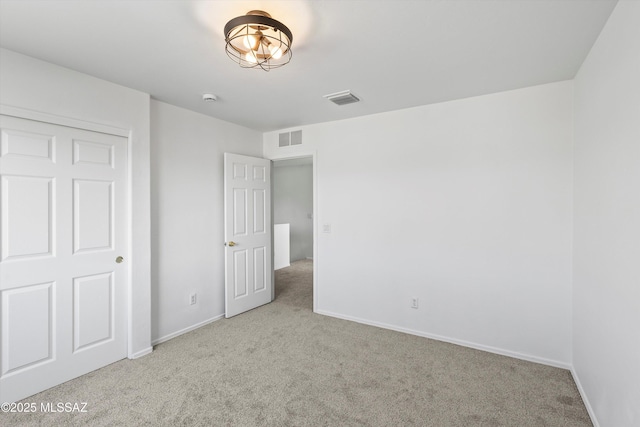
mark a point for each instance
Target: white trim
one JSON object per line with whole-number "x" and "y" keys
{"x": 141, "y": 353}
{"x": 185, "y": 330}
{"x": 585, "y": 399}
{"x": 131, "y": 260}
{"x": 39, "y": 116}
{"x": 313, "y": 155}
{"x": 489, "y": 349}
{"x": 316, "y": 270}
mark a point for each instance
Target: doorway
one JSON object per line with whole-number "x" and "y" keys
{"x": 294, "y": 226}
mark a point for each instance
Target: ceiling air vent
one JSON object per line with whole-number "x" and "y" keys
{"x": 342, "y": 98}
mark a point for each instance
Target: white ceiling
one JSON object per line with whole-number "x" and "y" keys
{"x": 391, "y": 54}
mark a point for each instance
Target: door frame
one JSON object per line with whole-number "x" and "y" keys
{"x": 314, "y": 175}
{"x": 53, "y": 119}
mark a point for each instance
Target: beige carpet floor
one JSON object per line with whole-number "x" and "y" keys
{"x": 283, "y": 365}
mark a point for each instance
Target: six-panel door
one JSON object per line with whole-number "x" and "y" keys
{"x": 63, "y": 222}
{"x": 247, "y": 186}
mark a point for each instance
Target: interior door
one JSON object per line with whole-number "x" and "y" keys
{"x": 63, "y": 223}
{"x": 247, "y": 225}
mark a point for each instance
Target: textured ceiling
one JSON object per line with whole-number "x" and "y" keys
{"x": 391, "y": 54}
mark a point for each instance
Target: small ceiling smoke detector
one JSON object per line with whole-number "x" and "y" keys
{"x": 342, "y": 98}
{"x": 209, "y": 97}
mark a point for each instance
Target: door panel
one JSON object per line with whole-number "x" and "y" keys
{"x": 93, "y": 310}
{"x": 27, "y": 216}
{"x": 26, "y": 144}
{"x": 259, "y": 214}
{"x": 30, "y": 310}
{"x": 63, "y": 219}
{"x": 248, "y": 225}
{"x": 239, "y": 212}
{"x": 92, "y": 215}
{"x": 240, "y": 273}
{"x": 260, "y": 269}
{"x": 86, "y": 152}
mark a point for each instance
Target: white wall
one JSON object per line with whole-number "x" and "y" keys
{"x": 292, "y": 204}
{"x": 281, "y": 246}
{"x": 40, "y": 86}
{"x": 465, "y": 205}
{"x": 187, "y": 214}
{"x": 606, "y": 289}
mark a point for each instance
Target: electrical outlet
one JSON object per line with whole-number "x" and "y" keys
{"x": 414, "y": 302}
{"x": 193, "y": 298}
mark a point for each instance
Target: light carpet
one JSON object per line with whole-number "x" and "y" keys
{"x": 283, "y": 365}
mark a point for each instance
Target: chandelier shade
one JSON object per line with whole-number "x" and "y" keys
{"x": 256, "y": 40}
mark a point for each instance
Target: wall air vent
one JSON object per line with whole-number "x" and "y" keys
{"x": 342, "y": 98}
{"x": 296, "y": 137}
{"x": 290, "y": 138}
{"x": 283, "y": 140}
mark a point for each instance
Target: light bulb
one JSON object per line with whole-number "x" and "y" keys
{"x": 250, "y": 57}
{"x": 252, "y": 41}
{"x": 276, "y": 51}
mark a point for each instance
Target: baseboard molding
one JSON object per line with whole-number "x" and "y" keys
{"x": 585, "y": 399}
{"x": 141, "y": 353}
{"x": 185, "y": 330}
{"x": 495, "y": 350}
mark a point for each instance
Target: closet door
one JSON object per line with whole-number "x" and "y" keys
{"x": 63, "y": 254}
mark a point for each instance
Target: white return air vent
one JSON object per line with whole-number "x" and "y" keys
{"x": 342, "y": 98}
{"x": 290, "y": 138}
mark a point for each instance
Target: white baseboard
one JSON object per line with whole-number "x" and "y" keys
{"x": 585, "y": 400}
{"x": 185, "y": 330}
{"x": 141, "y": 353}
{"x": 462, "y": 343}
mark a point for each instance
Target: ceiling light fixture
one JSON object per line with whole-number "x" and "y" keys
{"x": 256, "y": 40}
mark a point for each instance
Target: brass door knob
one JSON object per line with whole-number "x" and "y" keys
{"x": 119, "y": 259}
{"x": 231, "y": 244}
